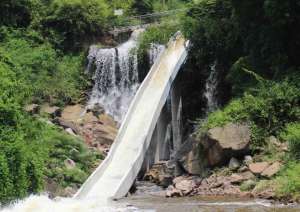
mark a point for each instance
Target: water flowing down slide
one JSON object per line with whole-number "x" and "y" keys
{"x": 116, "y": 174}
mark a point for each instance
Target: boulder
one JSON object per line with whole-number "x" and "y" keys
{"x": 173, "y": 192}
{"x": 248, "y": 159}
{"x": 70, "y": 164}
{"x": 32, "y": 108}
{"x": 73, "y": 113}
{"x": 186, "y": 186}
{"x": 234, "y": 164}
{"x": 70, "y": 131}
{"x": 107, "y": 120}
{"x": 239, "y": 178}
{"x": 222, "y": 143}
{"x": 95, "y": 130}
{"x": 232, "y": 136}
{"x": 189, "y": 156}
{"x": 52, "y": 111}
{"x": 67, "y": 124}
{"x": 272, "y": 170}
{"x": 159, "y": 174}
{"x": 258, "y": 168}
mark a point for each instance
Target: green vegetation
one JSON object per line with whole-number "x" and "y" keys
{"x": 288, "y": 183}
{"x": 291, "y": 134}
{"x": 267, "y": 109}
{"x": 254, "y": 46}
{"x": 42, "y": 60}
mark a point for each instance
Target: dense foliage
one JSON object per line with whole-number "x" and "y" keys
{"x": 254, "y": 44}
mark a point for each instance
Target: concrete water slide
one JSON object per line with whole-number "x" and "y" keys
{"x": 116, "y": 174}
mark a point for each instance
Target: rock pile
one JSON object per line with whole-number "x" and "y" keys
{"x": 96, "y": 128}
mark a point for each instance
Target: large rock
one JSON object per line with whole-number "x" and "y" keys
{"x": 222, "y": 143}
{"x": 52, "y": 111}
{"x": 234, "y": 164}
{"x": 240, "y": 177}
{"x": 258, "y": 168}
{"x": 159, "y": 174}
{"x": 32, "y": 108}
{"x": 97, "y": 130}
{"x": 73, "y": 113}
{"x": 189, "y": 156}
{"x": 69, "y": 163}
{"x": 272, "y": 170}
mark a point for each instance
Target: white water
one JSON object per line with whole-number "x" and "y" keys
{"x": 211, "y": 89}
{"x": 116, "y": 76}
{"x": 155, "y": 51}
{"x": 44, "y": 204}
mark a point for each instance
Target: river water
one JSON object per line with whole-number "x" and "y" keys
{"x": 200, "y": 204}
{"x": 150, "y": 197}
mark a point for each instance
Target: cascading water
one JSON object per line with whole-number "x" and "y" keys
{"x": 116, "y": 76}
{"x": 211, "y": 89}
{"x": 155, "y": 51}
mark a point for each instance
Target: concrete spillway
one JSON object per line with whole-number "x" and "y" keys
{"x": 116, "y": 174}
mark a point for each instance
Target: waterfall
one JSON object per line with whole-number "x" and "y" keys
{"x": 116, "y": 76}
{"x": 211, "y": 89}
{"x": 155, "y": 51}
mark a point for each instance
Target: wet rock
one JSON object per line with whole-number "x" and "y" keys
{"x": 32, "y": 108}
{"x": 258, "y": 168}
{"x": 272, "y": 170}
{"x": 107, "y": 120}
{"x": 70, "y": 164}
{"x": 88, "y": 118}
{"x": 173, "y": 192}
{"x": 234, "y": 164}
{"x": 96, "y": 110}
{"x": 178, "y": 179}
{"x": 186, "y": 186}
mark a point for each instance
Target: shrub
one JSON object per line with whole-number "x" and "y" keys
{"x": 291, "y": 134}
{"x": 70, "y": 23}
{"x": 289, "y": 181}
{"x": 47, "y": 75}
{"x": 266, "y": 109}
{"x": 62, "y": 146}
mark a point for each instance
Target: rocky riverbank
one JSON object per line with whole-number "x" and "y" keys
{"x": 220, "y": 164}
